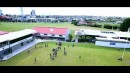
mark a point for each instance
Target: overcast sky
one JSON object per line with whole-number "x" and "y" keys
{"x": 94, "y": 11}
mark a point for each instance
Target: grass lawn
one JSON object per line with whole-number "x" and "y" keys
{"x": 91, "y": 55}
{"x": 10, "y": 27}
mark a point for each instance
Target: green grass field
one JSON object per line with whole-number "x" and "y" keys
{"x": 20, "y": 26}
{"x": 91, "y": 55}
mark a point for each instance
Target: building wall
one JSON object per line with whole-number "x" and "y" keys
{"x": 1, "y": 13}
{"x": 49, "y": 35}
{"x": 33, "y": 12}
{"x": 117, "y": 44}
{"x": 76, "y": 40}
{"x": 67, "y": 35}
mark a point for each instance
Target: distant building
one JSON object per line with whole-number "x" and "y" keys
{"x": 1, "y": 12}
{"x": 82, "y": 22}
{"x": 33, "y": 13}
{"x": 21, "y": 9}
{"x": 118, "y": 22}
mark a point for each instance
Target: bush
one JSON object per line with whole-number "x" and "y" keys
{"x": 92, "y": 25}
{"x": 107, "y": 26}
{"x": 74, "y": 22}
{"x": 115, "y": 27}
{"x": 70, "y": 38}
{"x": 88, "y": 38}
{"x": 98, "y": 25}
{"x": 95, "y": 25}
{"x": 85, "y": 38}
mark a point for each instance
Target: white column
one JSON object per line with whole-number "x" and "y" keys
{"x": 76, "y": 40}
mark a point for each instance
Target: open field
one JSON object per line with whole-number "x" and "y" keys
{"x": 91, "y": 55}
{"x": 20, "y": 26}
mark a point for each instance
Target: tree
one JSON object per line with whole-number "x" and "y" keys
{"x": 125, "y": 25}
{"x": 75, "y": 22}
{"x": 70, "y": 37}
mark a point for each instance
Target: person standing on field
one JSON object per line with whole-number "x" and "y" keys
{"x": 35, "y": 59}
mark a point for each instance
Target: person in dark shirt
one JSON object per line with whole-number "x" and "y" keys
{"x": 56, "y": 43}
{"x": 35, "y": 46}
{"x": 79, "y": 56}
{"x": 28, "y": 51}
{"x": 50, "y": 55}
{"x": 35, "y": 59}
{"x": 45, "y": 45}
{"x": 64, "y": 49}
{"x": 73, "y": 45}
{"x": 52, "y": 58}
{"x": 120, "y": 59}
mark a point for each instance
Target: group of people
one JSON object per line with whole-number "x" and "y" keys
{"x": 55, "y": 50}
{"x": 52, "y": 56}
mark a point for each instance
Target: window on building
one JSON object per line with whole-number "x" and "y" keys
{"x": 27, "y": 41}
{"x": 52, "y": 35}
{"x": 3, "y": 43}
{"x": 45, "y": 34}
{"x": 61, "y": 35}
{"x": 112, "y": 43}
{"x": 22, "y": 44}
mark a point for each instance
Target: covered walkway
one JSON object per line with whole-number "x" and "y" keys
{"x": 6, "y": 57}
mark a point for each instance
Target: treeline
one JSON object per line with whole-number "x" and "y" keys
{"x": 106, "y": 26}
{"x": 86, "y": 38}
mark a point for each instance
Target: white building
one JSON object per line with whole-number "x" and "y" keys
{"x": 106, "y": 38}
{"x": 110, "y": 42}
{"x": 14, "y": 40}
{"x": 33, "y": 13}
{"x": 1, "y": 12}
